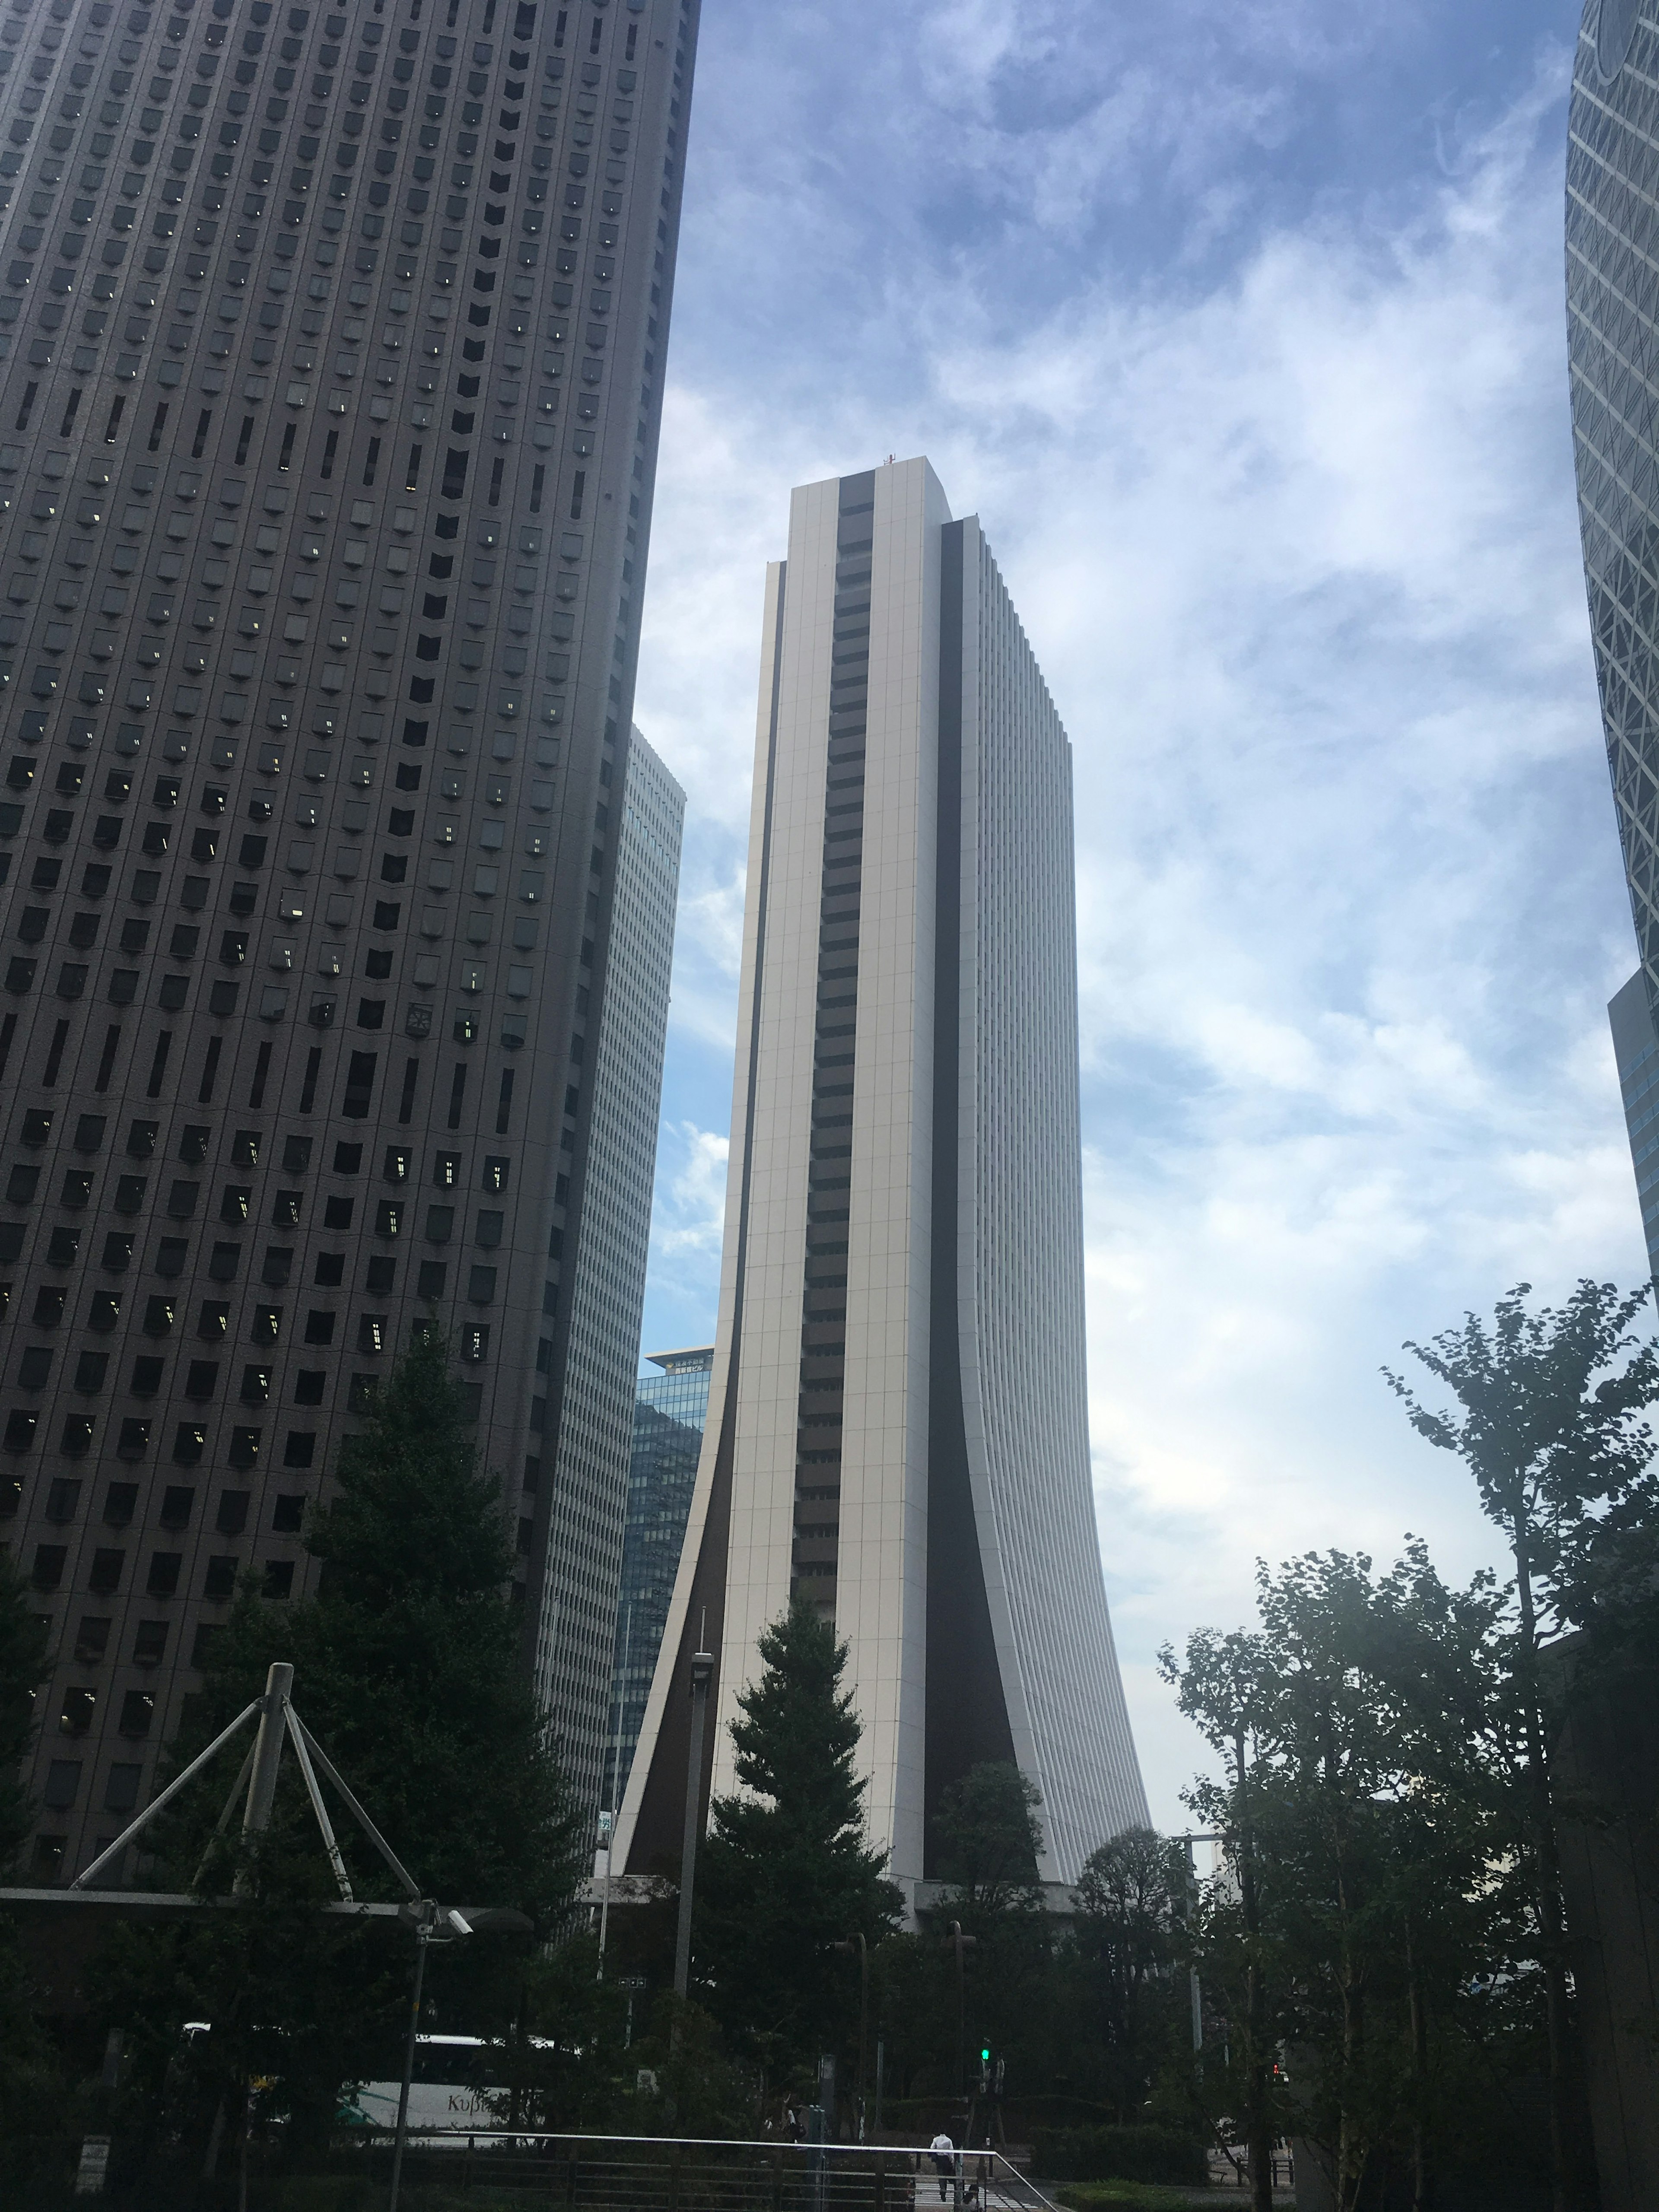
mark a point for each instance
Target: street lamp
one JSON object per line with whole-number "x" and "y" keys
{"x": 857, "y": 1944}
{"x": 703, "y": 1671}
{"x": 955, "y": 1940}
{"x": 433, "y": 1924}
{"x": 1190, "y": 1902}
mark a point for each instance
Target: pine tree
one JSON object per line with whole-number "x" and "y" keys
{"x": 786, "y": 1871}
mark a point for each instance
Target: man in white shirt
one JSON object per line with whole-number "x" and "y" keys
{"x": 944, "y": 2153}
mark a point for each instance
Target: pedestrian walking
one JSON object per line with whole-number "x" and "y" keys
{"x": 944, "y": 2152}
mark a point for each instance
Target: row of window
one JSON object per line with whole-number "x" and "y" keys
{"x": 235, "y": 1205}
{"x": 195, "y": 1144}
{"x": 224, "y": 1262}
{"x": 104, "y": 1576}
{"x": 149, "y": 1649}
{"x": 178, "y": 1507}
{"x": 201, "y": 1384}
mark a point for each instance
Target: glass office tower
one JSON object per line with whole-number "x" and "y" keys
{"x": 331, "y": 362}
{"x": 669, "y": 1412}
{"x": 592, "y": 1447}
{"x": 1612, "y": 343}
{"x": 897, "y": 1418}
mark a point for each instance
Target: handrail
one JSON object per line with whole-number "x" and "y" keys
{"x": 962, "y": 2154}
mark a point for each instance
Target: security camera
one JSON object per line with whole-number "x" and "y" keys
{"x": 457, "y": 1922}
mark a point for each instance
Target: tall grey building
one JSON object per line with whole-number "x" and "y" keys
{"x": 670, "y": 1409}
{"x": 897, "y": 1422}
{"x": 592, "y": 1447}
{"x": 1613, "y": 340}
{"x": 330, "y": 361}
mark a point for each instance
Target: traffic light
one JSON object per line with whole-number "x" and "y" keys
{"x": 984, "y": 2068}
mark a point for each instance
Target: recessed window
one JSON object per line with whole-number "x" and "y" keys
{"x": 91, "y": 1639}
{"x": 219, "y": 1582}
{"x": 137, "y": 1711}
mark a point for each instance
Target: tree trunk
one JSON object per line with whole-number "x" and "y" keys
{"x": 1350, "y": 2142}
{"x": 1567, "y": 2191}
{"x": 1258, "y": 2129}
{"x": 1418, "y": 2019}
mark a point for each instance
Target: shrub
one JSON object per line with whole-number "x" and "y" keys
{"x": 1127, "y": 2153}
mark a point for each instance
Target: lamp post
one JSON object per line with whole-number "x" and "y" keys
{"x": 1190, "y": 1902}
{"x": 857, "y": 1944}
{"x": 959, "y": 1942}
{"x": 702, "y": 1671}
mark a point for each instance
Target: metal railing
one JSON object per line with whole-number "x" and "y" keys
{"x": 668, "y": 2174}
{"x": 1232, "y": 2171}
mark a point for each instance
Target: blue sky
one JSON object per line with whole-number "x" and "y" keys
{"x": 1240, "y": 325}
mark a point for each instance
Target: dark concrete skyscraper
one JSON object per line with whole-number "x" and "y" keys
{"x": 1613, "y": 343}
{"x": 897, "y": 1420}
{"x": 330, "y": 359}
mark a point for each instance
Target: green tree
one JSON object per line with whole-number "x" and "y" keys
{"x": 1222, "y": 1686}
{"x": 1550, "y": 1426}
{"x": 991, "y": 1840}
{"x": 1369, "y": 1748}
{"x": 408, "y": 1669}
{"x": 786, "y": 1872}
{"x": 1127, "y": 1933}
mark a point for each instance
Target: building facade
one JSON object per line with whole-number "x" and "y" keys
{"x": 1636, "y": 1055}
{"x": 670, "y": 1409}
{"x": 591, "y": 1461}
{"x": 330, "y": 361}
{"x": 1613, "y": 343}
{"x": 897, "y": 1422}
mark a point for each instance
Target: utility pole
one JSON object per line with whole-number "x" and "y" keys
{"x": 703, "y": 1671}
{"x": 857, "y": 1944}
{"x": 955, "y": 1940}
{"x": 424, "y": 1916}
{"x": 1197, "y": 1995}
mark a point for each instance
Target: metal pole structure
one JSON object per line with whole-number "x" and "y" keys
{"x": 83, "y": 1880}
{"x": 702, "y": 1670}
{"x": 422, "y": 1937}
{"x": 267, "y": 1753}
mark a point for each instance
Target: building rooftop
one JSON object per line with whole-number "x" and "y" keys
{"x": 683, "y": 1363}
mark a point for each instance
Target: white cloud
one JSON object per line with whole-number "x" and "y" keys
{"x": 1292, "y": 533}
{"x": 692, "y": 1219}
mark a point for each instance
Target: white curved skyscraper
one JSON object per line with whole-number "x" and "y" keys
{"x": 897, "y": 1423}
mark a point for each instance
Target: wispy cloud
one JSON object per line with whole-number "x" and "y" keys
{"x": 1284, "y": 500}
